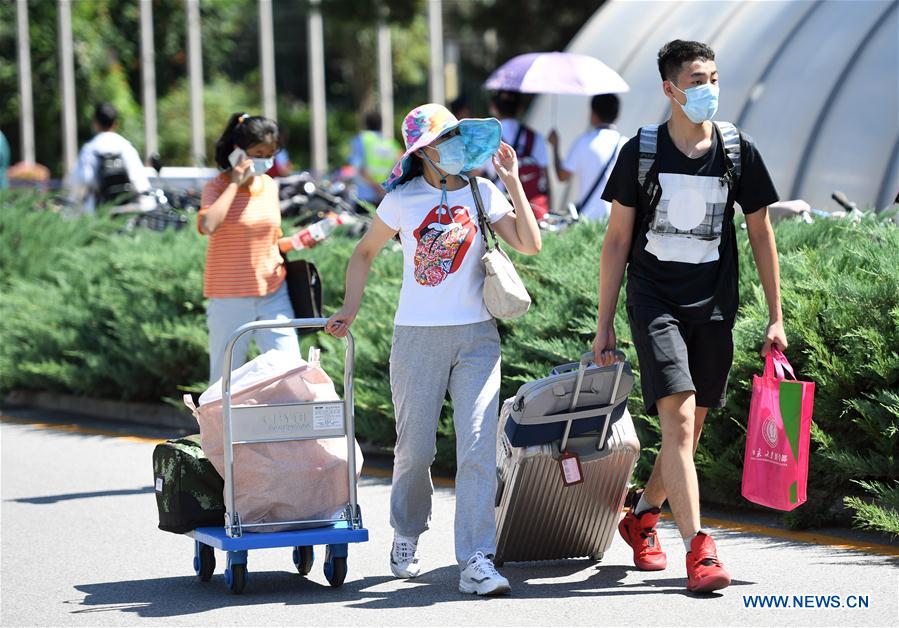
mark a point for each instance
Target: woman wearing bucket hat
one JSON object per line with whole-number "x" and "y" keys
{"x": 444, "y": 338}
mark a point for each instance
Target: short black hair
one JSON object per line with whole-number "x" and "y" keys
{"x": 675, "y": 54}
{"x": 105, "y": 115}
{"x": 507, "y": 104}
{"x": 372, "y": 121}
{"x": 606, "y": 107}
{"x": 244, "y": 130}
{"x": 459, "y": 104}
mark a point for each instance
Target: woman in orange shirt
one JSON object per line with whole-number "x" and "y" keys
{"x": 241, "y": 214}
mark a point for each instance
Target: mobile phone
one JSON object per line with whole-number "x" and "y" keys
{"x": 237, "y": 155}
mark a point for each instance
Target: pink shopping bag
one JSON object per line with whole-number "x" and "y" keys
{"x": 775, "y": 465}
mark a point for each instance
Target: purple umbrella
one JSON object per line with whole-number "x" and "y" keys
{"x": 556, "y": 73}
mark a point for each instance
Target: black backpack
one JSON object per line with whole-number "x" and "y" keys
{"x": 113, "y": 183}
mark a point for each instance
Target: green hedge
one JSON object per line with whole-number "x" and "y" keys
{"x": 86, "y": 310}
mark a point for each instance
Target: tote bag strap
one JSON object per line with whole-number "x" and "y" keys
{"x": 484, "y": 224}
{"x": 776, "y": 363}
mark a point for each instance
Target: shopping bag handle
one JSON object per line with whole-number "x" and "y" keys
{"x": 776, "y": 362}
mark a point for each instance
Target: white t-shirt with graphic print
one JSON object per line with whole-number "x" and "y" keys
{"x": 443, "y": 277}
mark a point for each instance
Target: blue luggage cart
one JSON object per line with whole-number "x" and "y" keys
{"x": 247, "y": 424}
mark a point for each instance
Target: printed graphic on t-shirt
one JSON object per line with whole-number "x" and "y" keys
{"x": 688, "y": 220}
{"x": 443, "y": 239}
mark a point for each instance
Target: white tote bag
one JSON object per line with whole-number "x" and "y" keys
{"x": 504, "y": 293}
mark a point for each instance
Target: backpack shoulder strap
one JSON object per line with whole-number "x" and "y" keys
{"x": 649, "y": 137}
{"x": 529, "y": 138}
{"x": 517, "y": 137}
{"x": 731, "y": 136}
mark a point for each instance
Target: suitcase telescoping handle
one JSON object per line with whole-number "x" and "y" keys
{"x": 585, "y": 361}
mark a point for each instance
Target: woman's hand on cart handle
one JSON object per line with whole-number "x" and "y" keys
{"x": 339, "y": 323}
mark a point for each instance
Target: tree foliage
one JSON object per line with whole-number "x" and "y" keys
{"x": 106, "y": 34}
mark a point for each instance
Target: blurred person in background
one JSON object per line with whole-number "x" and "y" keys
{"x": 282, "y": 165}
{"x": 109, "y": 169}
{"x": 592, "y": 157}
{"x": 372, "y": 156}
{"x": 5, "y": 158}
{"x": 530, "y": 147}
{"x": 460, "y": 108}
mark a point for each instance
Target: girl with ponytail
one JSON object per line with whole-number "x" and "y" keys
{"x": 241, "y": 213}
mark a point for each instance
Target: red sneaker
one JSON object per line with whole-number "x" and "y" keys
{"x": 705, "y": 573}
{"x": 640, "y": 534}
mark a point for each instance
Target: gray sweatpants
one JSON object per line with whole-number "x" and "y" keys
{"x": 425, "y": 363}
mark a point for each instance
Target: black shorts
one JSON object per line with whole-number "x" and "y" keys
{"x": 677, "y": 357}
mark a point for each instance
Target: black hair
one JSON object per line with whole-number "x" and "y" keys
{"x": 416, "y": 169}
{"x": 105, "y": 115}
{"x": 507, "y": 104}
{"x": 606, "y": 107}
{"x": 458, "y": 105}
{"x": 675, "y": 53}
{"x": 244, "y": 130}
{"x": 372, "y": 121}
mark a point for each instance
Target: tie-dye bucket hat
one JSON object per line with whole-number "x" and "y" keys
{"x": 428, "y": 122}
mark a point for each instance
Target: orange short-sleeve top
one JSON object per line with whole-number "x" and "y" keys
{"x": 243, "y": 259}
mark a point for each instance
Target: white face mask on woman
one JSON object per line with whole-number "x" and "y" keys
{"x": 262, "y": 165}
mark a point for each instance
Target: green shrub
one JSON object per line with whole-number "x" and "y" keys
{"x": 31, "y": 239}
{"x": 88, "y": 311}
{"x": 116, "y": 316}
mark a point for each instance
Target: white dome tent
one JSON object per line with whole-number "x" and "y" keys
{"x": 815, "y": 83}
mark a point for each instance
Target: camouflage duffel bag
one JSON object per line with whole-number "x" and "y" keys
{"x": 188, "y": 488}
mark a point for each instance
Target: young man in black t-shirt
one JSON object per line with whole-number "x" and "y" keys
{"x": 673, "y": 191}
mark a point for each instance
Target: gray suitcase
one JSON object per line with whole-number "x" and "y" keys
{"x": 537, "y": 516}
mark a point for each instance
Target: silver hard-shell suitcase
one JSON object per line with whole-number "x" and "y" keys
{"x": 538, "y": 517}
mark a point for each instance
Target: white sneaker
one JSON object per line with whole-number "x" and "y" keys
{"x": 481, "y": 577}
{"x": 404, "y": 557}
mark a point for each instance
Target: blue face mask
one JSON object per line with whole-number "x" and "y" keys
{"x": 452, "y": 155}
{"x": 451, "y": 162}
{"x": 261, "y": 166}
{"x": 702, "y": 102}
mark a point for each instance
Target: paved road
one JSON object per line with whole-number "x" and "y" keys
{"x": 80, "y": 547}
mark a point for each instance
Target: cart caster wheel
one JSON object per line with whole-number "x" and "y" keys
{"x": 303, "y": 558}
{"x": 204, "y": 564}
{"x": 236, "y": 578}
{"x": 335, "y": 571}
{"x": 597, "y": 557}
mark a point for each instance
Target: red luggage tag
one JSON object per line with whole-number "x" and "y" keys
{"x": 570, "y": 465}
